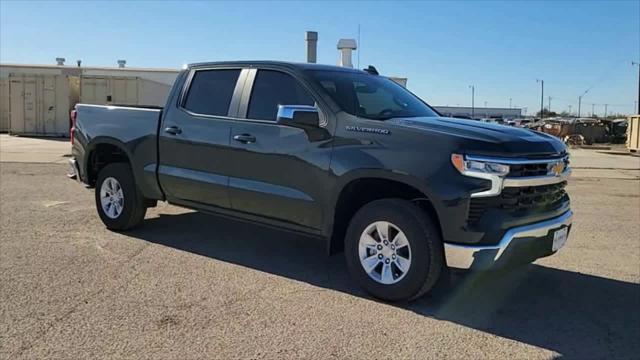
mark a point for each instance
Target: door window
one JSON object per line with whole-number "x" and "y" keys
{"x": 211, "y": 91}
{"x": 273, "y": 88}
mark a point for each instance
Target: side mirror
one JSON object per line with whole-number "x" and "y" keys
{"x": 304, "y": 116}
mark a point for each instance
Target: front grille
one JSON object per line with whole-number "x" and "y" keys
{"x": 534, "y": 169}
{"x": 519, "y": 200}
{"x": 523, "y": 170}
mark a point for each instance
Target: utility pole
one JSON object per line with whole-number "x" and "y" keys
{"x": 638, "y": 102}
{"x": 473, "y": 99}
{"x": 509, "y": 103}
{"x": 541, "y": 98}
{"x": 605, "y": 110}
{"x": 569, "y": 110}
{"x": 549, "y": 106}
{"x": 593, "y": 111}
{"x": 579, "y": 104}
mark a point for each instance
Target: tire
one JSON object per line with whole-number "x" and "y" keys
{"x": 126, "y": 197}
{"x": 425, "y": 250}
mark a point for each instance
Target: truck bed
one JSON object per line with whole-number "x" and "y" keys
{"x": 132, "y": 128}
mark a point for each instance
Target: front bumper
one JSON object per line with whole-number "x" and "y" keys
{"x": 519, "y": 244}
{"x": 74, "y": 170}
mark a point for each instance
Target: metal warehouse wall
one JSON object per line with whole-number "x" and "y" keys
{"x": 479, "y": 111}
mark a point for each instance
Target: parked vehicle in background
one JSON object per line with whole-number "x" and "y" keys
{"x": 591, "y": 130}
{"x": 518, "y": 122}
{"x": 344, "y": 155}
{"x": 616, "y": 130}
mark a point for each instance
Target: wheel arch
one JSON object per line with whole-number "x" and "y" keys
{"x": 111, "y": 149}
{"x": 361, "y": 187}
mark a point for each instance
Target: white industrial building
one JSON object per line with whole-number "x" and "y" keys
{"x": 37, "y": 99}
{"x": 479, "y": 112}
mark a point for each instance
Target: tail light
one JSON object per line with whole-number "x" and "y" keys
{"x": 73, "y": 116}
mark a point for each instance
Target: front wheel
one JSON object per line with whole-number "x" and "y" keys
{"x": 393, "y": 250}
{"x": 119, "y": 202}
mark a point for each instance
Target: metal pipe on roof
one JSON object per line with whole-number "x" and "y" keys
{"x": 311, "y": 37}
{"x": 346, "y": 47}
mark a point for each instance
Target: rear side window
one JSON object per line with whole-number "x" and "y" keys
{"x": 273, "y": 88}
{"x": 211, "y": 91}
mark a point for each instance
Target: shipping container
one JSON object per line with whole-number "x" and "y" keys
{"x": 119, "y": 90}
{"x": 103, "y": 90}
{"x": 633, "y": 133}
{"x": 4, "y": 105}
{"x": 39, "y": 104}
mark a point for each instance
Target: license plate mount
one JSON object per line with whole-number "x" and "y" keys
{"x": 559, "y": 238}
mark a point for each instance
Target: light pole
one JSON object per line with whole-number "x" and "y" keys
{"x": 580, "y": 100}
{"x": 473, "y": 99}
{"x": 549, "y": 106}
{"x": 541, "y": 98}
{"x": 605, "y": 110}
{"x": 593, "y": 111}
{"x": 510, "y": 103}
{"x": 569, "y": 110}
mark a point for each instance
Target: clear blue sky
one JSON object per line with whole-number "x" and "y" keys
{"x": 501, "y": 47}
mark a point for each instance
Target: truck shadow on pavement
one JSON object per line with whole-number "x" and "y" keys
{"x": 573, "y": 314}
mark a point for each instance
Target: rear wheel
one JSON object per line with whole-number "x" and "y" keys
{"x": 393, "y": 250}
{"x": 119, "y": 202}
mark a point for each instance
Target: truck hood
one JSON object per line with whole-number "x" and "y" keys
{"x": 486, "y": 138}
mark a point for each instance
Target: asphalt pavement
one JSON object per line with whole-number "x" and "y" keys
{"x": 189, "y": 286}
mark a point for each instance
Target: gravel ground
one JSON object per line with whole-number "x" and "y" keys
{"x": 187, "y": 285}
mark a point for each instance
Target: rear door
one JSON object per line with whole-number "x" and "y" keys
{"x": 282, "y": 173}
{"x": 194, "y": 137}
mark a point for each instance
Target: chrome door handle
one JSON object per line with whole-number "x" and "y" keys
{"x": 245, "y": 138}
{"x": 173, "y": 130}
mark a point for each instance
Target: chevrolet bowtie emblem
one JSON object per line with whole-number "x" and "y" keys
{"x": 557, "y": 168}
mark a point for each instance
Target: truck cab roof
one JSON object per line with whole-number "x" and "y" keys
{"x": 284, "y": 64}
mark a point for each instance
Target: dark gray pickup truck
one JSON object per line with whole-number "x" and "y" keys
{"x": 345, "y": 155}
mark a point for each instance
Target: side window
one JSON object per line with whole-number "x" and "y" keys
{"x": 211, "y": 91}
{"x": 273, "y": 88}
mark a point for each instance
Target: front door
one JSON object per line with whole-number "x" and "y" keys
{"x": 194, "y": 139}
{"x": 279, "y": 172}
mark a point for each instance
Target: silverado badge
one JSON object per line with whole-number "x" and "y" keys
{"x": 368, "y": 130}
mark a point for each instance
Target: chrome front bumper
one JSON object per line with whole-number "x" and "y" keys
{"x": 74, "y": 170}
{"x": 485, "y": 256}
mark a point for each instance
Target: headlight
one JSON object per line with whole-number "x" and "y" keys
{"x": 467, "y": 167}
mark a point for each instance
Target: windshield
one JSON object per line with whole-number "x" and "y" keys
{"x": 370, "y": 96}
